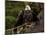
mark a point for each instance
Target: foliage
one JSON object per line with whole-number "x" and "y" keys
{"x": 12, "y": 10}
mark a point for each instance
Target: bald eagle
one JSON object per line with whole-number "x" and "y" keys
{"x": 25, "y": 16}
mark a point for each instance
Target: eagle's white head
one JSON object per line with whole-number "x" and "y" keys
{"x": 27, "y": 7}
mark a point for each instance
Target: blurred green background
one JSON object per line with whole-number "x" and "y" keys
{"x": 12, "y": 8}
